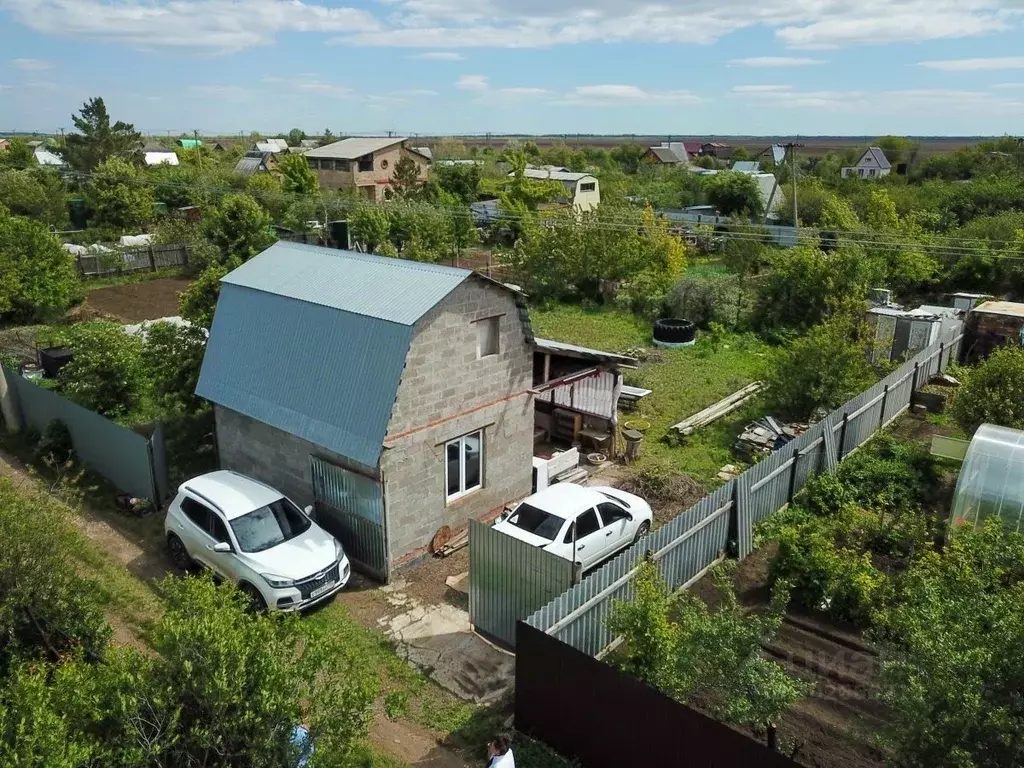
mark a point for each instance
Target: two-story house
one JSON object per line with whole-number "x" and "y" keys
{"x": 365, "y": 164}
{"x": 873, "y": 164}
{"x": 394, "y": 395}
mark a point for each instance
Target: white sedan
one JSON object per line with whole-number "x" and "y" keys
{"x": 254, "y": 536}
{"x": 583, "y": 524}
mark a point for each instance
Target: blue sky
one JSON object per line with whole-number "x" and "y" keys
{"x": 684, "y": 67}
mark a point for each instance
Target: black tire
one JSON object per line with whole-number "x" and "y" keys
{"x": 256, "y": 601}
{"x": 674, "y": 331}
{"x": 179, "y": 555}
{"x": 642, "y": 531}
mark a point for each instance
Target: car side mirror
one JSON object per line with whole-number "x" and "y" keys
{"x": 629, "y": 517}
{"x": 309, "y": 510}
{"x": 221, "y": 546}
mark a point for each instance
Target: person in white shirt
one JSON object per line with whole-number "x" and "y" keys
{"x": 500, "y": 752}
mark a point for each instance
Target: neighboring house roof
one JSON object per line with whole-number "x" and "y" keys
{"x": 1008, "y": 308}
{"x": 458, "y": 162}
{"x": 668, "y": 154}
{"x": 160, "y": 157}
{"x": 878, "y": 156}
{"x": 715, "y": 145}
{"x": 190, "y": 143}
{"x": 46, "y": 157}
{"x": 425, "y": 151}
{"x": 252, "y": 162}
{"x": 353, "y": 149}
{"x": 297, "y": 150}
{"x": 544, "y": 173}
{"x": 584, "y": 353}
{"x": 777, "y": 151}
{"x": 692, "y": 147}
{"x": 747, "y": 166}
{"x": 272, "y": 146}
{"x": 313, "y": 341}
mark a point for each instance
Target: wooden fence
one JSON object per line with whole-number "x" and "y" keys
{"x": 119, "y": 261}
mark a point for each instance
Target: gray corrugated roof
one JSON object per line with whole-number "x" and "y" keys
{"x": 747, "y": 166}
{"x": 352, "y": 149}
{"x": 427, "y": 152}
{"x": 326, "y": 376}
{"x": 313, "y": 341}
{"x": 395, "y": 290}
{"x": 247, "y": 166}
{"x": 879, "y": 157}
{"x": 666, "y": 155}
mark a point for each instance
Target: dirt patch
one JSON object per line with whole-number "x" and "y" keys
{"x": 135, "y": 302}
{"x": 412, "y": 743}
{"x": 834, "y": 726}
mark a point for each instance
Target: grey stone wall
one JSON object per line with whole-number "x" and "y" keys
{"x": 269, "y": 455}
{"x": 446, "y": 392}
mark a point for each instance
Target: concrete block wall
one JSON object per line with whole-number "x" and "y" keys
{"x": 269, "y": 455}
{"x": 446, "y": 392}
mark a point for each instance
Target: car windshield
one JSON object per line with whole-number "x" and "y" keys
{"x": 536, "y": 521}
{"x": 269, "y": 526}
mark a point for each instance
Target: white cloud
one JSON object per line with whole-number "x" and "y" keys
{"x": 32, "y": 65}
{"x": 416, "y": 92}
{"x": 761, "y": 88}
{"x": 624, "y": 95}
{"x": 524, "y": 91}
{"x": 439, "y": 56}
{"x": 974, "y": 65}
{"x": 893, "y": 102}
{"x": 776, "y": 61}
{"x": 439, "y": 27}
{"x": 214, "y": 26}
{"x": 1007, "y": 86}
{"x": 306, "y": 83}
{"x": 472, "y": 83}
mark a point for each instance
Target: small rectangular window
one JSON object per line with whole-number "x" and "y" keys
{"x": 589, "y": 186}
{"x": 366, "y": 164}
{"x": 343, "y": 165}
{"x": 487, "y": 336}
{"x": 464, "y": 461}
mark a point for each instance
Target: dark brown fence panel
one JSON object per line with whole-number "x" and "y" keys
{"x": 588, "y": 710}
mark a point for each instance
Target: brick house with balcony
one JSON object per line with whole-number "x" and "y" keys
{"x": 364, "y": 164}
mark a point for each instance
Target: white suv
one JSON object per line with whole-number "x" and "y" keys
{"x": 251, "y": 535}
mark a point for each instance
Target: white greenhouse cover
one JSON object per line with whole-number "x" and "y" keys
{"x": 991, "y": 480}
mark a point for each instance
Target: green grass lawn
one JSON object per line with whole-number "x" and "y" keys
{"x": 683, "y": 381}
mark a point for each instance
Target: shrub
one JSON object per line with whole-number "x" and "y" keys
{"x": 55, "y": 447}
{"x": 706, "y": 299}
{"x": 38, "y": 279}
{"x": 992, "y": 392}
{"x": 105, "y": 375}
{"x": 199, "y": 301}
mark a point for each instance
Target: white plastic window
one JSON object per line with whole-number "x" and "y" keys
{"x": 464, "y": 461}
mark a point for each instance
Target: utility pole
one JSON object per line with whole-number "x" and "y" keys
{"x": 791, "y": 148}
{"x": 63, "y": 143}
{"x": 199, "y": 152}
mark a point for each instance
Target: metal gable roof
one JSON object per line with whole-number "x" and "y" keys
{"x": 878, "y": 156}
{"x": 380, "y": 287}
{"x": 326, "y": 376}
{"x": 353, "y": 149}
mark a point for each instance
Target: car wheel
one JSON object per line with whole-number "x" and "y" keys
{"x": 179, "y": 555}
{"x": 256, "y": 601}
{"x": 642, "y": 531}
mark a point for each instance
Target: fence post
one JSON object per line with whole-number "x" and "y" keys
{"x": 913, "y": 387}
{"x": 942, "y": 349}
{"x": 734, "y": 522}
{"x": 841, "y": 447}
{"x": 792, "y": 473}
{"x": 881, "y": 415}
{"x": 152, "y": 259}
{"x": 184, "y": 255}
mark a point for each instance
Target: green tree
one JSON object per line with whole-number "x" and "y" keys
{"x": 105, "y": 375}
{"x": 992, "y": 392}
{"x": 462, "y": 181}
{"x": 680, "y": 646}
{"x": 370, "y": 227}
{"x": 119, "y": 197}
{"x": 806, "y": 286}
{"x": 295, "y": 137}
{"x": 239, "y": 228}
{"x": 172, "y": 357}
{"x": 18, "y": 155}
{"x": 38, "y": 279}
{"x": 628, "y": 156}
{"x": 97, "y": 140}
{"x": 297, "y": 178}
{"x": 950, "y": 650}
{"x": 824, "y": 368}
{"x": 405, "y": 179}
{"x": 266, "y": 189}
{"x": 734, "y": 194}
{"x": 35, "y": 193}
{"x": 740, "y": 153}
{"x": 198, "y": 302}
{"x": 327, "y": 138}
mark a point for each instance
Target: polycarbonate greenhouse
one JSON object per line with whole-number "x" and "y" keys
{"x": 992, "y": 478}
